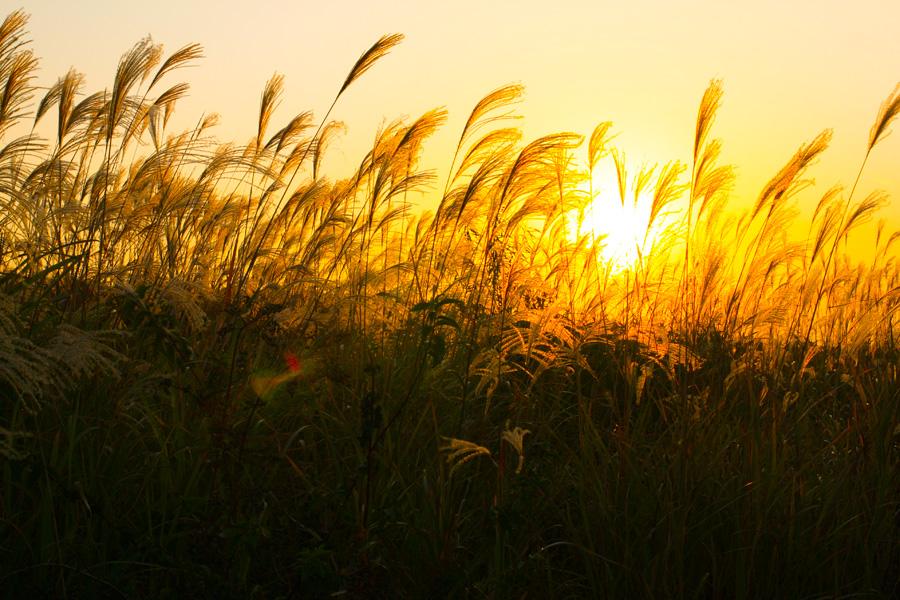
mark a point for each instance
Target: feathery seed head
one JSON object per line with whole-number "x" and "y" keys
{"x": 370, "y": 57}
{"x": 886, "y": 114}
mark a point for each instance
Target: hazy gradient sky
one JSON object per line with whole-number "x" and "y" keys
{"x": 790, "y": 69}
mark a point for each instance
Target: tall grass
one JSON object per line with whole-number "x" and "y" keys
{"x": 225, "y": 374}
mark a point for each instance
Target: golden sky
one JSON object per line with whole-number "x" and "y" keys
{"x": 789, "y": 68}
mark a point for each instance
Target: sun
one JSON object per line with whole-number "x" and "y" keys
{"x": 620, "y": 229}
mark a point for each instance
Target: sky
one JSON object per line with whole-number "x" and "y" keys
{"x": 789, "y": 69}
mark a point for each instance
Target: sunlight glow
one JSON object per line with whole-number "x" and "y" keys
{"x": 618, "y": 228}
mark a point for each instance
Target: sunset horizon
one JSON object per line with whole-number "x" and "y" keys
{"x": 768, "y": 110}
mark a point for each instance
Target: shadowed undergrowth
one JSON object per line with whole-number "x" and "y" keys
{"x": 224, "y": 374}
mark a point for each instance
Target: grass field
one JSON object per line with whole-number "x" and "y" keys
{"x": 224, "y": 374}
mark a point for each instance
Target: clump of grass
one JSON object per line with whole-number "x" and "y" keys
{"x": 224, "y": 373}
